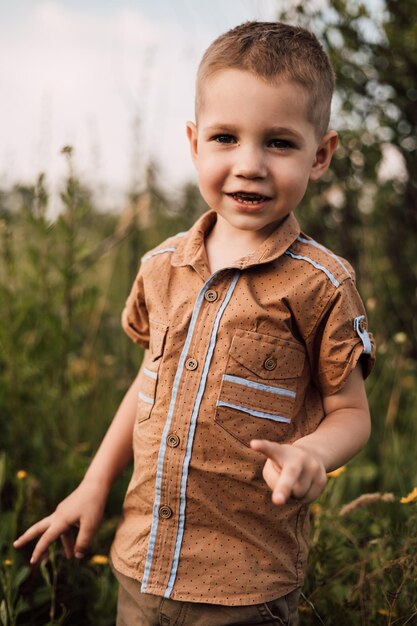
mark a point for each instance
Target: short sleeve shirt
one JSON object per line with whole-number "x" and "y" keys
{"x": 247, "y": 352}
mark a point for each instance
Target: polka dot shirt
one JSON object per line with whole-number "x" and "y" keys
{"x": 247, "y": 352}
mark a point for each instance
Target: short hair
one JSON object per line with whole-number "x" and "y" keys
{"x": 273, "y": 50}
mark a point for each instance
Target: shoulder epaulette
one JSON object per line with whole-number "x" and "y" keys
{"x": 163, "y": 248}
{"x": 308, "y": 250}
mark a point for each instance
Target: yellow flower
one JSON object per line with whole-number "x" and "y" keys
{"x": 316, "y": 508}
{"x": 7, "y": 562}
{"x": 411, "y": 496}
{"x": 21, "y": 475}
{"x": 99, "y": 559}
{"x": 408, "y": 382}
{"x": 371, "y": 304}
{"x": 400, "y": 338}
{"x": 337, "y": 472}
{"x": 386, "y": 613}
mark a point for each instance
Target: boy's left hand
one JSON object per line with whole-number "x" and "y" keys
{"x": 291, "y": 471}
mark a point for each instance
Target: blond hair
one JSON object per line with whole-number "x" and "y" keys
{"x": 273, "y": 51}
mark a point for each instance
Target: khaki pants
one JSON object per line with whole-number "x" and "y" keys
{"x": 141, "y": 609}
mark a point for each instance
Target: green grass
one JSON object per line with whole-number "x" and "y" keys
{"x": 64, "y": 366}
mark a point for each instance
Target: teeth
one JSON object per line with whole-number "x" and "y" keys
{"x": 248, "y": 198}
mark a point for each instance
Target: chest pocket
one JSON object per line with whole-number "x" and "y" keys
{"x": 259, "y": 388}
{"x": 147, "y": 393}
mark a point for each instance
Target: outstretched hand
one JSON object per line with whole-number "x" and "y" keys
{"x": 291, "y": 471}
{"x": 75, "y": 521}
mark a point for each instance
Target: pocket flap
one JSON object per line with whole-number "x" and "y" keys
{"x": 267, "y": 357}
{"x": 158, "y": 334}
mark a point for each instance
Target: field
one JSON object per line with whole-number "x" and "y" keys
{"x": 65, "y": 363}
{"x": 64, "y": 366}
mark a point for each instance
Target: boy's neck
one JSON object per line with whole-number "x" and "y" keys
{"x": 226, "y": 244}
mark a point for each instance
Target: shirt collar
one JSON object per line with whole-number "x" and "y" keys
{"x": 191, "y": 249}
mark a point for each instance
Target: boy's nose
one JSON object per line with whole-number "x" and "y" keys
{"x": 250, "y": 162}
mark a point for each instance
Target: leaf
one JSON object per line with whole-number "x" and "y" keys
{"x": 20, "y": 577}
{"x": 21, "y": 606}
{"x": 3, "y": 614}
{"x": 45, "y": 574}
{"x": 2, "y": 469}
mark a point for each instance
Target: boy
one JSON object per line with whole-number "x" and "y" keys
{"x": 256, "y": 348}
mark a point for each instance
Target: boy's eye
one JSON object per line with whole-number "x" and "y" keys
{"x": 281, "y": 144}
{"x": 224, "y": 138}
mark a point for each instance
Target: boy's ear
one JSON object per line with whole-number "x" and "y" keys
{"x": 192, "y": 138}
{"x": 325, "y": 151}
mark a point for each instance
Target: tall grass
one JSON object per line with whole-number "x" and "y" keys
{"x": 64, "y": 366}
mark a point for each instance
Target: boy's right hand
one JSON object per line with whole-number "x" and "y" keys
{"x": 82, "y": 510}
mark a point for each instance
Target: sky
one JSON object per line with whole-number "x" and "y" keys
{"x": 113, "y": 79}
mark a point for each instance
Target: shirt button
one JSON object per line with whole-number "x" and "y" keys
{"x": 270, "y": 363}
{"x": 165, "y": 511}
{"x": 191, "y": 364}
{"x": 211, "y": 295}
{"x": 173, "y": 440}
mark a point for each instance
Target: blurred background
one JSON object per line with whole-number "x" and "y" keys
{"x": 94, "y": 171}
{"x": 114, "y": 79}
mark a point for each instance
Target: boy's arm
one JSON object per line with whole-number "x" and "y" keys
{"x": 299, "y": 469}
{"x": 84, "y": 507}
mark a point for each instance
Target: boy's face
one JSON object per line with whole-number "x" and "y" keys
{"x": 255, "y": 149}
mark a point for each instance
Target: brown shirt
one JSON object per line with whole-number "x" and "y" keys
{"x": 245, "y": 353}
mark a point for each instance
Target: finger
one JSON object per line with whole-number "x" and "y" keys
{"x": 315, "y": 489}
{"x": 84, "y": 539}
{"x": 287, "y": 479}
{"x": 270, "y": 473}
{"x": 32, "y": 532}
{"x": 52, "y": 534}
{"x": 302, "y": 486}
{"x": 67, "y": 541}
{"x": 268, "y": 448}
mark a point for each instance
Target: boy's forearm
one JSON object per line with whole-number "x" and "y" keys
{"x": 115, "y": 451}
{"x": 340, "y": 436}
{"x": 346, "y": 427}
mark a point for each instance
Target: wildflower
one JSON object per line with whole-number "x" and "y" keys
{"x": 411, "y": 496}
{"x": 386, "y": 613}
{"x": 408, "y": 382}
{"x": 335, "y": 473}
{"x": 7, "y": 563}
{"x": 400, "y": 338}
{"x": 316, "y": 508}
{"x": 364, "y": 500}
{"x": 108, "y": 359}
{"x": 99, "y": 559}
{"x": 21, "y": 475}
{"x": 371, "y": 304}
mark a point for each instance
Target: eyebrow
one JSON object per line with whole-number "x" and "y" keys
{"x": 283, "y": 130}
{"x": 273, "y": 130}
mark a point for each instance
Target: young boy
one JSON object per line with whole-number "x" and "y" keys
{"x": 256, "y": 348}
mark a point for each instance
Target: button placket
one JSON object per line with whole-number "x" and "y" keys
{"x": 163, "y": 555}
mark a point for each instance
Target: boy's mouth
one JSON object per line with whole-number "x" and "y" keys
{"x": 248, "y": 198}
